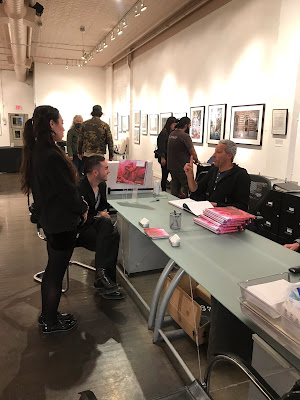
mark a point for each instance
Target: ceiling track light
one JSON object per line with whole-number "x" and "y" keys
{"x": 112, "y": 36}
{"x": 105, "y": 44}
{"x": 124, "y": 23}
{"x": 119, "y": 30}
{"x": 143, "y": 6}
{"x": 67, "y": 64}
{"x": 137, "y": 11}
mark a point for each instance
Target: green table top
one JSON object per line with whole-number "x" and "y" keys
{"x": 217, "y": 262}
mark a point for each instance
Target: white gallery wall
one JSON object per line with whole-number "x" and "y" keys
{"x": 244, "y": 53}
{"x": 13, "y": 93}
{"x": 73, "y": 91}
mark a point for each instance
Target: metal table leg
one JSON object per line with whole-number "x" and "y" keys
{"x": 165, "y": 301}
{"x": 157, "y": 292}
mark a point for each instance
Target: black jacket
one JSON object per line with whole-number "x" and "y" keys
{"x": 56, "y": 199}
{"x": 231, "y": 190}
{"x": 85, "y": 190}
{"x": 162, "y": 143}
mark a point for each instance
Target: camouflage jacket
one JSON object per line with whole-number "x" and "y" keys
{"x": 94, "y": 136}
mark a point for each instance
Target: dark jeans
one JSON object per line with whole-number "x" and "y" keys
{"x": 60, "y": 247}
{"x": 103, "y": 238}
{"x": 164, "y": 177}
{"x": 179, "y": 180}
{"x": 78, "y": 163}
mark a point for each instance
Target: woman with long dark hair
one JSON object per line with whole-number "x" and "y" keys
{"x": 162, "y": 146}
{"x": 47, "y": 173}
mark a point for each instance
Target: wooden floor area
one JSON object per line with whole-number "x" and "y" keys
{"x": 111, "y": 352}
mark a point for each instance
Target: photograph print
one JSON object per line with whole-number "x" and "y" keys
{"x": 216, "y": 123}
{"x": 153, "y": 124}
{"x": 137, "y": 118}
{"x": 247, "y": 124}
{"x": 136, "y": 135}
{"x": 163, "y": 119}
{"x": 144, "y": 124}
{"x": 125, "y": 123}
{"x": 197, "y": 124}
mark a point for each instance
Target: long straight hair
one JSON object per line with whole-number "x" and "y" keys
{"x": 169, "y": 122}
{"x": 37, "y": 129}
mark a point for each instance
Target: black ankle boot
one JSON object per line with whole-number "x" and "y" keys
{"x": 103, "y": 283}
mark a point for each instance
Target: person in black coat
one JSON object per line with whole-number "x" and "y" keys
{"x": 225, "y": 184}
{"x": 98, "y": 233}
{"x": 162, "y": 147}
{"x": 50, "y": 177}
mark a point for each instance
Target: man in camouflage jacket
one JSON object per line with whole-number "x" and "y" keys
{"x": 95, "y": 136}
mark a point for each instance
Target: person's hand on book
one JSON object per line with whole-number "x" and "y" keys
{"x": 293, "y": 246}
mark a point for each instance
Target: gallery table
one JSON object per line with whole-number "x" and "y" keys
{"x": 217, "y": 262}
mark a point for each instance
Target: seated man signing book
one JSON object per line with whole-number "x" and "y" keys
{"x": 98, "y": 233}
{"x": 225, "y": 184}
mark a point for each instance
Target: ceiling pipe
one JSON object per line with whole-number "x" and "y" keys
{"x": 20, "y": 16}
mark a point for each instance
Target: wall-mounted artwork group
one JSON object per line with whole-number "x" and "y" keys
{"x": 246, "y": 123}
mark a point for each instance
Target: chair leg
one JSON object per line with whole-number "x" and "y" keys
{"x": 38, "y": 277}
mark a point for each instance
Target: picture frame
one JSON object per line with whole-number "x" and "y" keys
{"x": 136, "y": 118}
{"x": 246, "y": 125}
{"x": 279, "y": 121}
{"x": 180, "y": 115}
{"x": 163, "y": 119}
{"x": 216, "y": 123}
{"x": 116, "y": 119}
{"x": 144, "y": 124}
{"x": 153, "y": 124}
{"x": 116, "y": 132}
{"x": 197, "y": 124}
{"x": 137, "y": 135}
{"x": 125, "y": 123}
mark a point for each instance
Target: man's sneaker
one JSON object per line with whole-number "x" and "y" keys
{"x": 60, "y": 326}
{"x": 60, "y": 317}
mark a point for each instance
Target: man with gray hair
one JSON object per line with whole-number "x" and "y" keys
{"x": 225, "y": 184}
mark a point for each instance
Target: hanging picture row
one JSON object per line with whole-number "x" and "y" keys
{"x": 246, "y": 123}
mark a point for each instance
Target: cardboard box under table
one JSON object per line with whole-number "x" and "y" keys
{"x": 182, "y": 307}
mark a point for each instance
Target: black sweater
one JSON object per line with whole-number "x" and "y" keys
{"x": 57, "y": 201}
{"x": 85, "y": 189}
{"x": 232, "y": 189}
{"x": 162, "y": 143}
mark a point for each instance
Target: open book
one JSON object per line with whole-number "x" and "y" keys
{"x": 194, "y": 207}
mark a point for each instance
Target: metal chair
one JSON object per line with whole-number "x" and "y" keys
{"x": 38, "y": 277}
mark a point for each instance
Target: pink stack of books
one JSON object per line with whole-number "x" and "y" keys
{"x": 224, "y": 219}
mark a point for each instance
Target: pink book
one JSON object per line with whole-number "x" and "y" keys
{"x": 216, "y": 228}
{"x": 156, "y": 233}
{"x": 226, "y": 214}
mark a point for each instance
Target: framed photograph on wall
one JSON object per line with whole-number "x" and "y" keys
{"x": 136, "y": 118}
{"x": 247, "y": 124}
{"x": 180, "y": 115}
{"x": 163, "y": 119}
{"x": 279, "y": 121}
{"x": 153, "y": 124}
{"x": 216, "y": 123}
{"x": 197, "y": 124}
{"x": 144, "y": 124}
{"x": 116, "y": 132}
{"x": 137, "y": 135}
{"x": 125, "y": 123}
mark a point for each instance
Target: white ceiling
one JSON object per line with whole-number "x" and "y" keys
{"x": 59, "y": 39}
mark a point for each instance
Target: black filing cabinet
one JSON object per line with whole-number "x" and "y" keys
{"x": 281, "y": 217}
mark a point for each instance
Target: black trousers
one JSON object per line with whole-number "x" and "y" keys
{"x": 103, "y": 238}
{"x": 164, "y": 177}
{"x": 60, "y": 247}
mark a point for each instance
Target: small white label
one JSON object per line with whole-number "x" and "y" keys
{"x": 140, "y": 163}
{"x": 278, "y": 142}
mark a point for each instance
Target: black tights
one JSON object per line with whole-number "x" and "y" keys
{"x": 60, "y": 247}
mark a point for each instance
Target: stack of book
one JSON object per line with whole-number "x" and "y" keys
{"x": 224, "y": 219}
